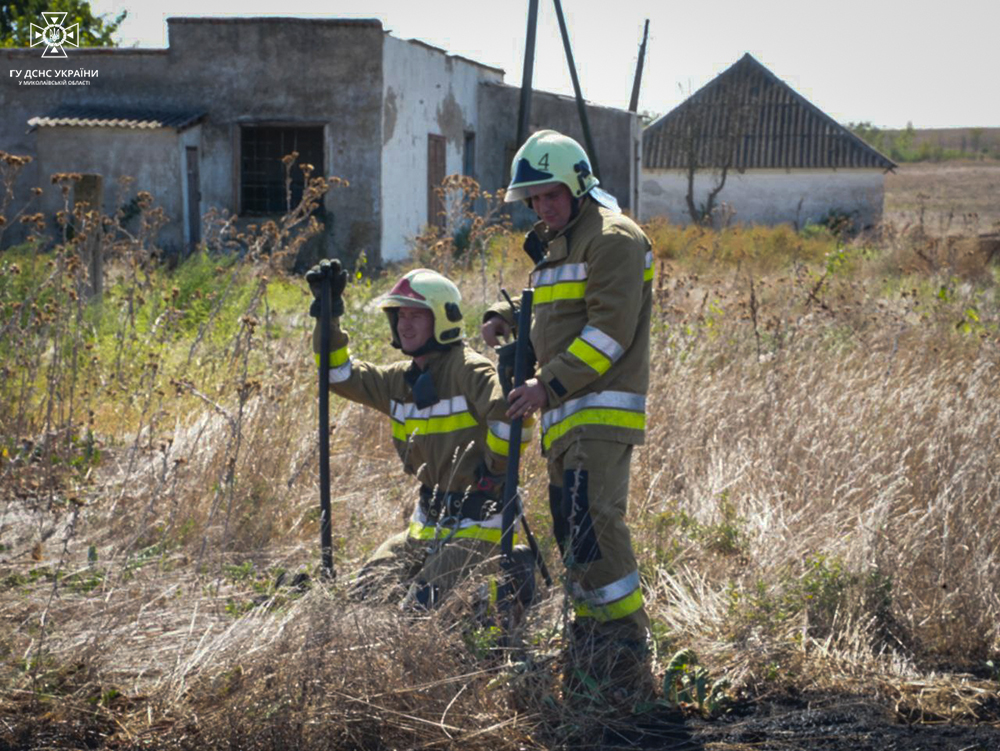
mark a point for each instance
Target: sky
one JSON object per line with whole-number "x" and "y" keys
{"x": 887, "y": 62}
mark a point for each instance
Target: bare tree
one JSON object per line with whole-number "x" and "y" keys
{"x": 715, "y": 122}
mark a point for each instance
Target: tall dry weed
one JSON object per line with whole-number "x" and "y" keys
{"x": 834, "y": 487}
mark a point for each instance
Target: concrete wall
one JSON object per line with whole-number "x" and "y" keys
{"x": 238, "y": 71}
{"x": 616, "y": 138}
{"x": 19, "y": 103}
{"x": 426, "y": 91}
{"x": 152, "y": 157}
{"x": 769, "y": 196}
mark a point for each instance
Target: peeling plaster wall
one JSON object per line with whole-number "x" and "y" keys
{"x": 769, "y": 196}
{"x": 425, "y": 91}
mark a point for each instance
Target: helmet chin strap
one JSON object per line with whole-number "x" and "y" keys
{"x": 574, "y": 207}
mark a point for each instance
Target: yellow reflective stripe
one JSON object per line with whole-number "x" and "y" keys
{"x": 560, "y": 291}
{"x": 497, "y": 445}
{"x": 612, "y": 417}
{"x": 420, "y": 531}
{"x": 590, "y": 355}
{"x": 338, "y": 357}
{"x": 432, "y": 425}
{"x": 647, "y": 275}
{"x": 500, "y": 446}
{"x": 612, "y": 611}
{"x": 483, "y": 533}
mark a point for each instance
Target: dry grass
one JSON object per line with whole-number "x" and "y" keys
{"x": 812, "y": 509}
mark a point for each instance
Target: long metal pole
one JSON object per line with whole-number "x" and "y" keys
{"x": 524, "y": 111}
{"x": 325, "y": 527}
{"x": 580, "y": 105}
{"x": 511, "y": 503}
{"x": 633, "y": 104}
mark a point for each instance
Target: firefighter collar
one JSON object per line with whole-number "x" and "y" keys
{"x": 421, "y": 382}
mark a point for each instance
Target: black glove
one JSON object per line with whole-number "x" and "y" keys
{"x": 327, "y": 272}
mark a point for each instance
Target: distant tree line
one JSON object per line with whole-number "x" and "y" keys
{"x": 907, "y": 145}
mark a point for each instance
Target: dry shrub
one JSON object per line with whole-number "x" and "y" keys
{"x": 471, "y": 220}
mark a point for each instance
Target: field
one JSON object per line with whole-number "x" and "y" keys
{"x": 953, "y": 197}
{"x": 813, "y": 508}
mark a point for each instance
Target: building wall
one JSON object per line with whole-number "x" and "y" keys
{"x": 376, "y": 97}
{"x": 615, "y": 135}
{"x": 237, "y": 71}
{"x": 152, "y": 157}
{"x": 20, "y": 103}
{"x": 769, "y": 196}
{"x": 426, "y": 91}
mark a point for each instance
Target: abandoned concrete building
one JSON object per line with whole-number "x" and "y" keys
{"x": 768, "y": 154}
{"x": 205, "y": 122}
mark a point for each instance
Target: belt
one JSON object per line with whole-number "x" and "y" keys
{"x": 475, "y": 505}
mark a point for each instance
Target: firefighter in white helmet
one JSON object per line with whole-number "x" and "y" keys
{"x": 447, "y": 412}
{"x": 592, "y": 303}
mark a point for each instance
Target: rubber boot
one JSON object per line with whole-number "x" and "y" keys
{"x": 606, "y": 669}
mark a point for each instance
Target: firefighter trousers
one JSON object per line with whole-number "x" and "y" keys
{"x": 588, "y": 499}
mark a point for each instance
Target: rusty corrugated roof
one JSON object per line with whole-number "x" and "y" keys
{"x": 116, "y": 117}
{"x": 750, "y": 118}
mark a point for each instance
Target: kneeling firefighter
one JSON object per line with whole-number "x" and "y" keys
{"x": 449, "y": 426}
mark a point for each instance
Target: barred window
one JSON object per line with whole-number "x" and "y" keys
{"x": 262, "y": 173}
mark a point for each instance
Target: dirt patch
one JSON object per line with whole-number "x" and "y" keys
{"x": 813, "y": 722}
{"x": 839, "y": 723}
{"x": 968, "y": 258}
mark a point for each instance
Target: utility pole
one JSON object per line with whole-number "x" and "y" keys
{"x": 524, "y": 111}
{"x": 580, "y": 105}
{"x": 633, "y": 104}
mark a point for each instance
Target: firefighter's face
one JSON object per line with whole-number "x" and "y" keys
{"x": 553, "y": 203}
{"x": 415, "y": 327}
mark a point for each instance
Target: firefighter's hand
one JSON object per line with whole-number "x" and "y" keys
{"x": 496, "y": 330}
{"x": 526, "y": 399}
{"x": 331, "y": 272}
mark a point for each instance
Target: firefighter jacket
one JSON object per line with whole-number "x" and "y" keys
{"x": 590, "y": 327}
{"x": 448, "y": 426}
